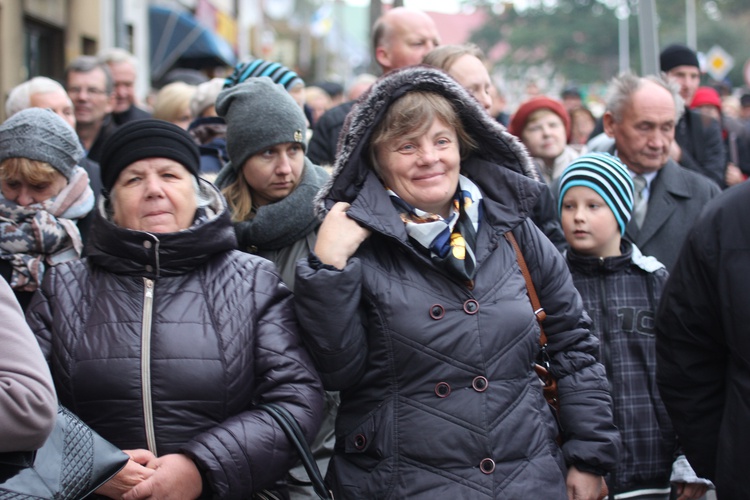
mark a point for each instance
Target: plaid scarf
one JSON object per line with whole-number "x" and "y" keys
{"x": 41, "y": 234}
{"x": 450, "y": 241}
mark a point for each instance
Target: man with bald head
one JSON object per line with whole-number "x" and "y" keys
{"x": 642, "y": 114}
{"x": 401, "y": 37}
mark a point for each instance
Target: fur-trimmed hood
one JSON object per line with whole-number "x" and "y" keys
{"x": 498, "y": 148}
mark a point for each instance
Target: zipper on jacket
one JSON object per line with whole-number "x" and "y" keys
{"x": 148, "y": 412}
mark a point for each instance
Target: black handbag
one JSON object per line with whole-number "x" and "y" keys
{"x": 72, "y": 464}
{"x": 294, "y": 432}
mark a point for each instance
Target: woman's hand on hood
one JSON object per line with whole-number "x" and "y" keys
{"x": 339, "y": 237}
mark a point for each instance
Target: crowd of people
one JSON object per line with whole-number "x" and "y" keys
{"x": 367, "y": 258}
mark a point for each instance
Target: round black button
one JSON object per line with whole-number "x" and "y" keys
{"x": 487, "y": 465}
{"x": 471, "y": 306}
{"x": 437, "y": 311}
{"x": 480, "y": 383}
{"x": 442, "y": 389}
{"x": 360, "y": 441}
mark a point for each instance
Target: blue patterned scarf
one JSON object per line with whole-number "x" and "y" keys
{"x": 450, "y": 241}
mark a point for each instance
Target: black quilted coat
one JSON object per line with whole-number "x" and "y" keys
{"x": 439, "y": 398}
{"x": 222, "y": 336}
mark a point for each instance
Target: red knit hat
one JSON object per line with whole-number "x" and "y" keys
{"x": 521, "y": 116}
{"x": 706, "y": 96}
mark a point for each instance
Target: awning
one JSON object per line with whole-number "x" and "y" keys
{"x": 178, "y": 40}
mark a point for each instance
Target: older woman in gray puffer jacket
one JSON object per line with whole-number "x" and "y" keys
{"x": 165, "y": 338}
{"x": 416, "y": 310}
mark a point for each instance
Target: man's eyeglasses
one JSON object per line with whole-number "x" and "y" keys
{"x": 89, "y": 90}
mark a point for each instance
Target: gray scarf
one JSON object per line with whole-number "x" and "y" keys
{"x": 280, "y": 224}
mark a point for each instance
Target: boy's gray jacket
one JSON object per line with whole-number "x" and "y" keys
{"x": 439, "y": 398}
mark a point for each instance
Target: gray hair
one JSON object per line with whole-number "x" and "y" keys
{"x": 19, "y": 97}
{"x": 623, "y": 86}
{"x": 87, "y": 64}
{"x": 117, "y": 55}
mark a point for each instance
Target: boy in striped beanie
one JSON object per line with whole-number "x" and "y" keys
{"x": 620, "y": 289}
{"x": 595, "y": 203}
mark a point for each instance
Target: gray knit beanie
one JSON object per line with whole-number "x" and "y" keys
{"x": 39, "y": 134}
{"x": 259, "y": 114}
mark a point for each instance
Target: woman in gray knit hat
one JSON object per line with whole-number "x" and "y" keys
{"x": 270, "y": 185}
{"x": 44, "y": 194}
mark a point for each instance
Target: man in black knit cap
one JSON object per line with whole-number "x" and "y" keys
{"x": 698, "y": 144}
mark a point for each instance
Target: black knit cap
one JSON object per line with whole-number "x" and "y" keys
{"x": 677, "y": 55}
{"x": 149, "y": 138}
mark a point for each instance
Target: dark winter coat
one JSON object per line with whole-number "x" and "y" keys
{"x": 439, "y": 398}
{"x": 677, "y": 197}
{"x": 703, "y": 344}
{"x": 702, "y": 146}
{"x": 130, "y": 114}
{"x": 621, "y": 295}
{"x": 221, "y": 337}
{"x": 322, "y": 147}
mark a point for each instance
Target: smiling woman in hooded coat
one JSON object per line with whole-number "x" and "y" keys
{"x": 415, "y": 308}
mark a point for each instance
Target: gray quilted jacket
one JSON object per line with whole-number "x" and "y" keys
{"x": 439, "y": 397}
{"x": 166, "y": 342}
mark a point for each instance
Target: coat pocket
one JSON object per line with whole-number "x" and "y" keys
{"x": 370, "y": 441}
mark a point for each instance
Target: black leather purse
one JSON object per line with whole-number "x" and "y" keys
{"x": 72, "y": 464}
{"x": 294, "y": 432}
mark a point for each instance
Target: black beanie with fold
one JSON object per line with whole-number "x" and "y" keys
{"x": 677, "y": 55}
{"x": 149, "y": 138}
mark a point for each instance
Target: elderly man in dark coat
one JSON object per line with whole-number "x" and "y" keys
{"x": 642, "y": 114}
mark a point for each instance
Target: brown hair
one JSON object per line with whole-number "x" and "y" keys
{"x": 239, "y": 199}
{"x": 31, "y": 171}
{"x": 412, "y": 115}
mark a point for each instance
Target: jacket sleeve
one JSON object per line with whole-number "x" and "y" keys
{"x": 691, "y": 352}
{"x": 714, "y": 163}
{"x": 322, "y": 147}
{"x": 249, "y": 451}
{"x": 545, "y": 217}
{"x": 28, "y": 404}
{"x": 328, "y": 304}
{"x": 590, "y": 438}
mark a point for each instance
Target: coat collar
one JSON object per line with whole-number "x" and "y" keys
{"x": 669, "y": 187}
{"x": 138, "y": 253}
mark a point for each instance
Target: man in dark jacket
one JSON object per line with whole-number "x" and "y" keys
{"x": 401, "y": 37}
{"x": 641, "y": 116}
{"x": 91, "y": 88}
{"x": 698, "y": 144}
{"x": 123, "y": 66}
{"x": 703, "y": 342}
